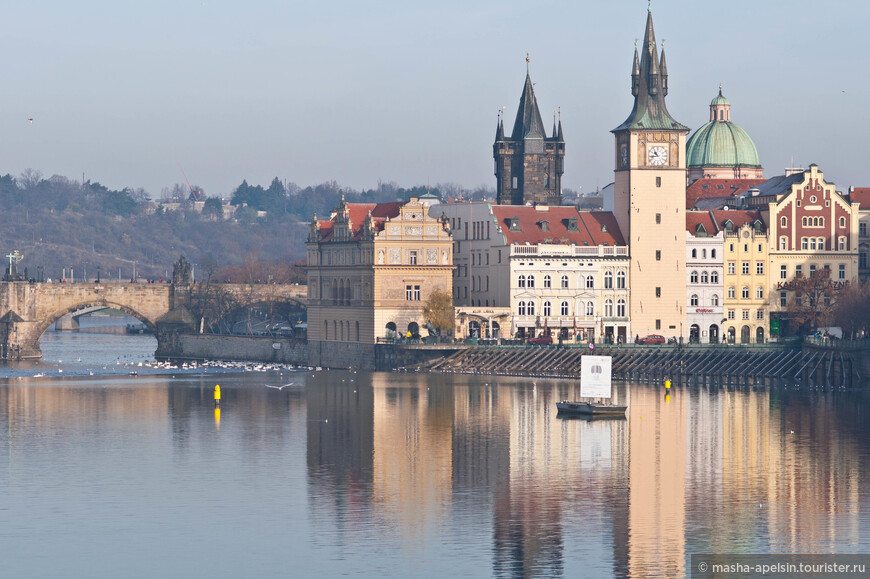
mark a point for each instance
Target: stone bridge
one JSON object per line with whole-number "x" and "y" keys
{"x": 28, "y": 309}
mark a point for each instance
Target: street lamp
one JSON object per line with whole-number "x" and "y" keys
{"x": 98, "y": 273}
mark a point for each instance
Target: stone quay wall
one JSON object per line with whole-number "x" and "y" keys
{"x": 237, "y": 349}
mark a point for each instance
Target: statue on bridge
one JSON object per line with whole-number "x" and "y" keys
{"x": 12, "y": 271}
{"x": 181, "y": 272}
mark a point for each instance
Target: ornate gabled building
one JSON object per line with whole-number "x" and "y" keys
{"x": 528, "y": 164}
{"x": 720, "y": 149}
{"x": 650, "y": 197}
{"x": 371, "y": 268}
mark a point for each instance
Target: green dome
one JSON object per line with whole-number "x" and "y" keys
{"x": 719, "y": 100}
{"x": 721, "y": 144}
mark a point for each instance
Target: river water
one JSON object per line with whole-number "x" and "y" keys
{"x": 406, "y": 475}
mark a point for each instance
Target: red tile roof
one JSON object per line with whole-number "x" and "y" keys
{"x": 860, "y": 195}
{"x": 696, "y": 218}
{"x": 531, "y": 227}
{"x": 738, "y": 217}
{"x": 703, "y": 188}
{"x": 357, "y": 215}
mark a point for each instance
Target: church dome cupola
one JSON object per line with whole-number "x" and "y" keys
{"x": 720, "y": 149}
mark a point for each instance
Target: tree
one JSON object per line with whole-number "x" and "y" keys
{"x": 213, "y": 209}
{"x": 814, "y": 301}
{"x": 438, "y": 310}
{"x": 853, "y": 308}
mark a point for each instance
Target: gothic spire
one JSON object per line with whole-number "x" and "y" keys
{"x": 649, "y": 87}
{"x": 528, "y": 124}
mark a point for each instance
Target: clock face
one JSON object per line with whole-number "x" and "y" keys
{"x": 657, "y": 155}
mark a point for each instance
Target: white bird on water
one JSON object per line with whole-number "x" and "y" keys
{"x": 279, "y": 387}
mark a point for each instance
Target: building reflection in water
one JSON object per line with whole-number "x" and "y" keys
{"x": 696, "y": 471}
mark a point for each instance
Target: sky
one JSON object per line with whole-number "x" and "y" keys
{"x": 139, "y": 93}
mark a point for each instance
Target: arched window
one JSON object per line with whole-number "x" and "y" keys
{"x": 731, "y": 292}
{"x": 530, "y": 307}
{"x": 563, "y": 310}
{"x": 620, "y": 280}
{"x": 547, "y": 309}
{"x": 693, "y": 301}
{"x": 521, "y": 281}
{"x": 803, "y": 221}
{"x": 548, "y": 282}
{"x": 694, "y": 253}
{"x": 744, "y": 293}
{"x": 842, "y": 222}
{"x": 608, "y": 280}
{"x": 590, "y": 282}
{"x": 714, "y": 301}
{"x": 714, "y": 277}
{"x": 693, "y": 278}
{"x": 620, "y": 308}
{"x": 608, "y": 308}
{"x": 581, "y": 308}
{"x": 590, "y": 308}
{"x": 564, "y": 282}
{"x": 704, "y": 277}
{"x": 531, "y": 281}
{"x": 783, "y": 222}
{"x": 704, "y": 254}
{"x": 521, "y": 308}
{"x": 325, "y": 330}
{"x": 712, "y": 253}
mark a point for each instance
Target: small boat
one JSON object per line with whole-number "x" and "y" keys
{"x": 591, "y": 408}
{"x": 594, "y": 385}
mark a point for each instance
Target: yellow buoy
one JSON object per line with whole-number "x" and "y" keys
{"x": 217, "y": 395}
{"x": 667, "y": 383}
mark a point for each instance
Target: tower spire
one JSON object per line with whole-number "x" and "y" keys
{"x": 528, "y": 124}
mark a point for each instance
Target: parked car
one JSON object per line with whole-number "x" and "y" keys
{"x": 652, "y": 339}
{"x": 540, "y": 341}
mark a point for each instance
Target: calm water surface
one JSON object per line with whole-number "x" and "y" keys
{"x": 375, "y": 474}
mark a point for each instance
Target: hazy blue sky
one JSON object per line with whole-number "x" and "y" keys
{"x": 127, "y": 92}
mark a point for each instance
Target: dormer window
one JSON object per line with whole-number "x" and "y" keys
{"x": 757, "y": 226}
{"x": 572, "y": 224}
{"x": 514, "y": 223}
{"x": 729, "y": 225}
{"x": 603, "y": 228}
{"x": 544, "y": 225}
{"x": 700, "y": 231}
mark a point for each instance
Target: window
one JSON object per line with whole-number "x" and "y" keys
{"x": 704, "y": 277}
{"x": 658, "y": 181}
{"x": 608, "y": 308}
{"x": 862, "y": 260}
{"x": 564, "y": 282}
{"x": 842, "y": 272}
{"x": 693, "y": 278}
{"x": 620, "y": 280}
{"x": 783, "y": 272}
{"x": 658, "y": 324}
{"x": 515, "y": 182}
{"x": 841, "y": 243}
{"x": 704, "y": 254}
{"x": 798, "y": 271}
{"x": 783, "y": 299}
{"x": 658, "y": 292}
{"x": 658, "y": 217}
{"x": 759, "y": 268}
{"x": 759, "y": 293}
{"x": 693, "y": 301}
{"x": 714, "y": 301}
{"x": 547, "y": 309}
{"x": 412, "y": 293}
{"x": 713, "y": 253}
{"x": 804, "y": 243}
{"x": 731, "y": 268}
{"x": 620, "y": 308}
{"x": 530, "y": 308}
{"x": 783, "y": 243}
{"x": 744, "y": 314}
{"x": 744, "y": 293}
{"x": 590, "y": 309}
{"x": 563, "y": 310}
{"x": 731, "y": 247}
{"x": 731, "y": 292}
{"x": 521, "y": 281}
{"x": 730, "y": 314}
{"x": 694, "y": 254}
{"x": 803, "y": 221}
{"x": 590, "y": 282}
{"x": 842, "y": 222}
{"x": 862, "y": 229}
{"x": 745, "y": 248}
{"x": 745, "y": 268}
{"x": 531, "y": 281}
{"x": 547, "y": 281}
{"x": 608, "y": 280}
{"x": 714, "y": 277}
{"x": 812, "y": 270}
{"x": 658, "y": 255}
{"x": 521, "y": 308}
{"x": 783, "y": 222}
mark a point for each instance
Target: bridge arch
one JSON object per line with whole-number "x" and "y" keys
{"x": 51, "y": 318}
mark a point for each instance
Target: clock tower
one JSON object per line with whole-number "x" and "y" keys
{"x": 650, "y": 197}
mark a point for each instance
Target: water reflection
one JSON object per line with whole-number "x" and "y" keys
{"x": 397, "y": 474}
